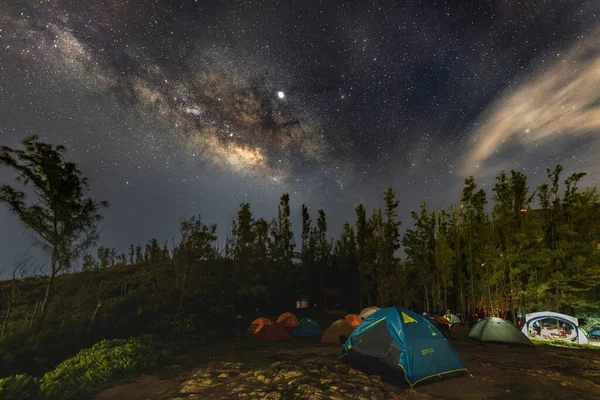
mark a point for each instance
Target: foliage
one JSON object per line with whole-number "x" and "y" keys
{"x": 464, "y": 258}
{"x": 17, "y": 387}
{"x": 62, "y": 217}
{"x": 89, "y": 370}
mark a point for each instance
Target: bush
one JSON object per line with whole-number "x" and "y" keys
{"x": 221, "y": 321}
{"x": 18, "y": 387}
{"x": 89, "y": 370}
{"x": 176, "y": 326}
{"x": 92, "y": 369}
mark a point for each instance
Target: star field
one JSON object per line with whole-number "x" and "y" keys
{"x": 195, "y": 106}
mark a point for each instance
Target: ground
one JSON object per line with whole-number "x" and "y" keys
{"x": 307, "y": 369}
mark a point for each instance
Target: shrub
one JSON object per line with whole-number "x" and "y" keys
{"x": 221, "y": 321}
{"x": 18, "y": 387}
{"x": 176, "y": 326}
{"x": 92, "y": 369}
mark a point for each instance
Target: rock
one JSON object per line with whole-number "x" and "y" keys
{"x": 206, "y": 375}
{"x": 325, "y": 381}
{"x": 191, "y": 386}
{"x": 333, "y": 388}
{"x": 239, "y": 389}
{"x": 291, "y": 374}
{"x": 272, "y": 396}
{"x": 224, "y": 375}
{"x": 206, "y": 382}
{"x": 314, "y": 371}
{"x": 261, "y": 378}
{"x": 337, "y": 396}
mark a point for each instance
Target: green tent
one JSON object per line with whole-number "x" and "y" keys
{"x": 452, "y": 318}
{"x": 499, "y": 331}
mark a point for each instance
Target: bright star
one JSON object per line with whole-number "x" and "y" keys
{"x": 280, "y": 94}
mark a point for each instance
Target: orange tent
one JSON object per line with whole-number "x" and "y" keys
{"x": 257, "y": 324}
{"x": 272, "y": 333}
{"x": 288, "y": 320}
{"x": 338, "y": 332}
{"x": 353, "y": 319}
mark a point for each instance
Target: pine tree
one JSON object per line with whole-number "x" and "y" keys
{"x": 88, "y": 263}
{"x": 310, "y": 282}
{"x": 138, "y": 255}
{"x": 103, "y": 256}
{"x": 131, "y": 254}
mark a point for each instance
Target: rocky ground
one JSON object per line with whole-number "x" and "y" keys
{"x": 305, "y": 369}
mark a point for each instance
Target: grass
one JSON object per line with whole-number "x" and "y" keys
{"x": 564, "y": 343}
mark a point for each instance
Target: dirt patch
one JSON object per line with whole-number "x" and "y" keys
{"x": 306, "y": 369}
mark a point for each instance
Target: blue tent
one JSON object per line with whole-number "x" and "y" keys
{"x": 405, "y": 341}
{"x": 307, "y": 327}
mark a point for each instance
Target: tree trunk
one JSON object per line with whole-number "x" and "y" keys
{"x": 89, "y": 330}
{"x": 49, "y": 287}
{"x": 5, "y": 323}
{"x": 445, "y": 297}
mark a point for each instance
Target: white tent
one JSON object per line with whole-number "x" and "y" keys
{"x": 579, "y": 335}
{"x": 367, "y": 311}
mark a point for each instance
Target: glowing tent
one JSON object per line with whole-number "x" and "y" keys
{"x": 553, "y": 325}
{"x": 353, "y": 319}
{"x": 257, "y": 324}
{"x": 288, "y": 320}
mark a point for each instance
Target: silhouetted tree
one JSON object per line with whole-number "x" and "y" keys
{"x": 62, "y": 217}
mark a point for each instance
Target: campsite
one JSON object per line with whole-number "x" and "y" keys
{"x": 306, "y": 368}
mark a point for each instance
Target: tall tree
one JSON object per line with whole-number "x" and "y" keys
{"x": 309, "y": 283}
{"x": 138, "y": 255}
{"x": 195, "y": 248}
{"x": 282, "y": 252}
{"x": 63, "y": 217}
{"x": 511, "y": 196}
{"x": 473, "y": 202}
{"x": 103, "y": 255}
{"x": 131, "y": 254}
{"x": 88, "y": 263}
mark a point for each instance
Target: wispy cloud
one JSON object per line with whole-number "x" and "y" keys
{"x": 558, "y": 101}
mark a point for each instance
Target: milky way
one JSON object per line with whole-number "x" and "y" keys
{"x": 174, "y": 108}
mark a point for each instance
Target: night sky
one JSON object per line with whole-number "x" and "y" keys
{"x": 174, "y": 108}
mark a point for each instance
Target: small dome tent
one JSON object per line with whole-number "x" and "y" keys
{"x": 453, "y": 318}
{"x": 338, "y": 332}
{"x": 535, "y": 327}
{"x": 353, "y": 319}
{"x": 257, "y": 324}
{"x": 498, "y": 330}
{"x": 307, "y": 327}
{"x": 402, "y": 341}
{"x": 272, "y": 333}
{"x": 367, "y": 311}
{"x": 288, "y": 320}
